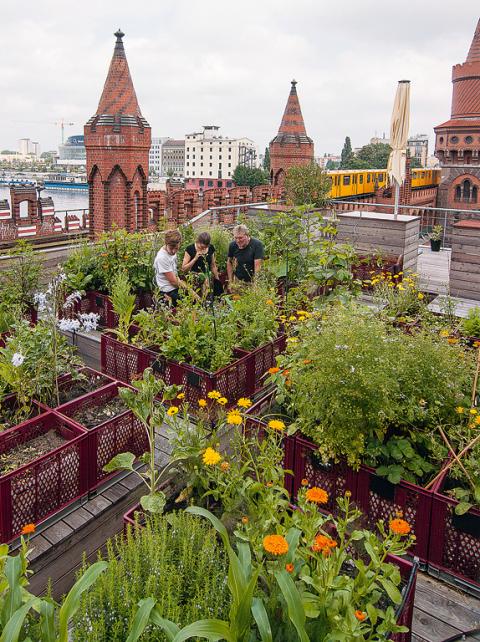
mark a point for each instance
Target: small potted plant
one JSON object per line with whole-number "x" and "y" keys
{"x": 436, "y": 236}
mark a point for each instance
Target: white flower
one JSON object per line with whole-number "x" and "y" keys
{"x": 352, "y": 368}
{"x": 72, "y": 299}
{"x": 41, "y": 300}
{"x": 341, "y": 347}
{"x": 89, "y": 321}
{"x": 17, "y": 359}
{"x": 69, "y": 325}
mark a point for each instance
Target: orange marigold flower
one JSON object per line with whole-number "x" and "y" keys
{"x": 273, "y": 370}
{"x": 307, "y": 361}
{"x": 304, "y": 482}
{"x": 28, "y": 529}
{"x": 360, "y": 615}
{"x": 275, "y": 544}
{"x": 400, "y": 526}
{"x": 285, "y": 373}
{"x": 289, "y": 568}
{"x": 323, "y": 544}
{"x": 224, "y": 465}
{"x": 269, "y": 302}
{"x": 452, "y": 341}
{"x": 245, "y": 519}
{"x": 316, "y": 495}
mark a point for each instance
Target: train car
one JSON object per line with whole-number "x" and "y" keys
{"x": 362, "y": 182}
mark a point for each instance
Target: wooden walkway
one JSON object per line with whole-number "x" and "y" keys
{"x": 433, "y": 270}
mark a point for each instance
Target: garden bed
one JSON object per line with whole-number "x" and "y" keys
{"x": 90, "y": 380}
{"x": 101, "y": 304}
{"x": 9, "y": 407}
{"x": 454, "y": 540}
{"x": 52, "y": 453}
{"x": 112, "y": 429}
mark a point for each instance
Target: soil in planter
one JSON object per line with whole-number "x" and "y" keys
{"x": 94, "y": 415}
{"x": 74, "y": 389}
{"x": 8, "y": 418}
{"x": 25, "y": 453}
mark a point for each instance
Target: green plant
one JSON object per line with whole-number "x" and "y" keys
{"x": 471, "y": 325}
{"x": 19, "y": 280}
{"x": 220, "y": 239}
{"x": 123, "y": 302}
{"x": 437, "y": 233}
{"x": 176, "y": 561}
{"x": 144, "y": 403}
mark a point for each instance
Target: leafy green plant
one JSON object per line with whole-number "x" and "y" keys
{"x": 123, "y": 302}
{"x": 20, "y": 279}
{"x": 471, "y": 325}
{"x": 176, "y": 561}
{"x": 437, "y": 233}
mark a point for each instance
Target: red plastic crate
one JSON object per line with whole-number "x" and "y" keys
{"x": 66, "y": 381}
{"x": 379, "y": 499}
{"x": 454, "y": 540}
{"x": 335, "y": 478}
{"x": 123, "y": 433}
{"x": 122, "y": 361}
{"x": 101, "y": 304}
{"x": 40, "y": 488}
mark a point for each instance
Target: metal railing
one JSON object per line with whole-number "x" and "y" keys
{"x": 213, "y": 212}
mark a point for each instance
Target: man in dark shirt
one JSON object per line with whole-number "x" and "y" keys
{"x": 245, "y": 255}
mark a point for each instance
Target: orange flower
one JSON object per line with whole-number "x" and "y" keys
{"x": 323, "y": 544}
{"x": 307, "y": 361}
{"x": 289, "y": 568}
{"x": 316, "y": 495}
{"x": 273, "y": 370}
{"x": 269, "y": 302}
{"x": 452, "y": 341}
{"x": 304, "y": 482}
{"x": 245, "y": 519}
{"x": 28, "y": 529}
{"x": 285, "y": 373}
{"x": 224, "y": 465}
{"x": 399, "y": 526}
{"x": 202, "y": 403}
{"x": 360, "y": 615}
{"x": 275, "y": 544}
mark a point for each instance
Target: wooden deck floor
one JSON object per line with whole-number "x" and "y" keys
{"x": 433, "y": 269}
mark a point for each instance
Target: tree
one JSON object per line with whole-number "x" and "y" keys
{"x": 266, "y": 160}
{"x": 372, "y": 156}
{"x": 415, "y": 162}
{"x": 331, "y": 164}
{"x": 347, "y": 153}
{"x": 307, "y": 185}
{"x": 250, "y": 176}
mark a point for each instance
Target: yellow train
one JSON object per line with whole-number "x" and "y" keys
{"x": 352, "y": 182}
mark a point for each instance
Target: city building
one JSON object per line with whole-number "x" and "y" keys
{"x": 72, "y": 152}
{"x": 322, "y": 161}
{"x": 117, "y": 141}
{"x": 457, "y": 142}
{"x": 211, "y": 159}
{"x": 291, "y": 146}
{"x": 155, "y": 155}
{"x": 27, "y": 147}
{"x": 418, "y": 148}
{"x": 173, "y": 159}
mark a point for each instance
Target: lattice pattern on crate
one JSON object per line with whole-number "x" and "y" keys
{"x": 121, "y": 434}
{"x": 461, "y": 547}
{"x": 122, "y": 361}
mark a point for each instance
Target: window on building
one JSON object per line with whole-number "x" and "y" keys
{"x": 210, "y": 183}
{"x": 188, "y": 163}
{"x": 200, "y": 182}
{"x": 454, "y": 139}
{"x": 229, "y": 157}
{"x": 209, "y": 173}
{"x": 210, "y": 164}
{"x": 229, "y": 183}
{"x": 458, "y": 193}
{"x": 201, "y": 164}
{"x": 220, "y": 184}
{"x": 469, "y": 139}
{"x": 230, "y": 173}
{"x": 229, "y": 164}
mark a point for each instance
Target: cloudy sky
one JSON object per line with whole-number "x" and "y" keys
{"x": 230, "y": 63}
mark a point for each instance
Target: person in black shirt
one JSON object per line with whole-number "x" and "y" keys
{"x": 199, "y": 258}
{"x": 245, "y": 255}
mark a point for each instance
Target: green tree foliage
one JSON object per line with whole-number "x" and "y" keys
{"x": 332, "y": 164}
{"x": 307, "y": 185}
{"x": 372, "y": 156}
{"x": 415, "y": 162}
{"x": 266, "y": 160}
{"x": 250, "y": 176}
{"x": 347, "y": 153}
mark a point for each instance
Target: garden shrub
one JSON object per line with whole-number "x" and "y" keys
{"x": 176, "y": 559}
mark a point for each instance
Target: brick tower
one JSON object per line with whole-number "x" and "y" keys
{"x": 291, "y": 146}
{"x": 117, "y": 142}
{"x": 457, "y": 142}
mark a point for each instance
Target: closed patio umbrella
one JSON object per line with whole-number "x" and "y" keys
{"x": 399, "y": 137}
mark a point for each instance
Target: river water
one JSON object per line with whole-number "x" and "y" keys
{"x": 63, "y": 199}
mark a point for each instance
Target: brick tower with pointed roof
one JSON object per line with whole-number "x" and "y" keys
{"x": 291, "y": 146}
{"x": 457, "y": 142}
{"x": 117, "y": 142}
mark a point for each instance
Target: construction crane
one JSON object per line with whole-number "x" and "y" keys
{"x": 62, "y": 124}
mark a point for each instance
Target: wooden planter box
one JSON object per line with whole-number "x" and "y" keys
{"x": 454, "y": 541}
{"x": 43, "y": 486}
{"x": 122, "y": 433}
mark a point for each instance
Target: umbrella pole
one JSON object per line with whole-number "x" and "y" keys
{"x": 397, "y": 198}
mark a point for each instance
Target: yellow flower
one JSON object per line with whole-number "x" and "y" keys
{"x": 477, "y": 420}
{"x": 243, "y": 402}
{"x": 222, "y": 401}
{"x": 211, "y": 457}
{"x": 275, "y": 544}
{"x": 292, "y": 318}
{"x": 181, "y": 395}
{"x": 234, "y": 418}
{"x": 316, "y": 495}
{"x": 224, "y": 466}
{"x": 420, "y": 296}
{"x": 460, "y": 410}
{"x": 202, "y": 403}
{"x": 214, "y": 394}
{"x": 269, "y": 302}
{"x": 444, "y": 333}
{"x": 172, "y": 411}
{"x": 473, "y": 411}
{"x": 400, "y": 287}
{"x": 276, "y": 424}
{"x": 292, "y": 340}
{"x": 452, "y": 341}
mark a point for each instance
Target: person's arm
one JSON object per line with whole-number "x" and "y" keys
{"x": 188, "y": 262}
{"x": 173, "y": 279}
{"x": 230, "y": 269}
{"x": 214, "y": 267}
{"x": 258, "y": 257}
{"x": 257, "y": 265}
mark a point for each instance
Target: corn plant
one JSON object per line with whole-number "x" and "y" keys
{"x": 123, "y": 302}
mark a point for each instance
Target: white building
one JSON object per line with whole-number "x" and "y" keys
{"x": 27, "y": 147}
{"x": 155, "y": 155}
{"x": 213, "y": 158}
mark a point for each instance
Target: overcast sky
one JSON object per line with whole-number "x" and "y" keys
{"x": 230, "y": 63}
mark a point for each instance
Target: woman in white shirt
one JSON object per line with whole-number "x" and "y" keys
{"x": 165, "y": 265}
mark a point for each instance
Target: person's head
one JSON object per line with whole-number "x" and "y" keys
{"x": 173, "y": 238}
{"x": 241, "y": 236}
{"x": 203, "y": 241}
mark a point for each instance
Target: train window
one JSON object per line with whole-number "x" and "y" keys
{"x": 368, "y": 178}
{"x": 361, "y": 178}
{"x": 380, "y": 177}
{"x": 346, "y": 180}
{"x": 422, "y": 174}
